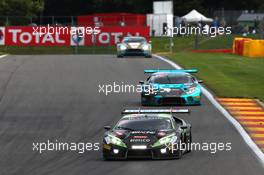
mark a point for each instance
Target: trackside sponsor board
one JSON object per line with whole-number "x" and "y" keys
{"x": 77, "y": 38}
{"x": 28, "y": 36}
{"x": 2, "y": 35}
{"x": 64, "y": 36}
{"x": 113, "y": 35}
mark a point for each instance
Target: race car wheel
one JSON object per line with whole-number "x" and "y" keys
{"x": 105, "y": 158}
{"x": 145, "y": 101}
{"x": 148, "y": 56}
{"x": 120, "y": 56}
{"x": 188, "y": 142}
{"x": 179, "y": 152}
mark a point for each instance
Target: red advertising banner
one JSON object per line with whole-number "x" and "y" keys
{"x": 68, "y": 36}
{"x": 113, "y": 35}
{"x": 32, "y": 36}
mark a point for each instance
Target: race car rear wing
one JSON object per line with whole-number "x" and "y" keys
{"x": 151, "y": 111}
{"x": 150, "y": 71}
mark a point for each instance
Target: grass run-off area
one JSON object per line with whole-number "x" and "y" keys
{"x": 226, "y": 75}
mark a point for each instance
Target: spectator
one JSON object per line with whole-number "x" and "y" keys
{"x": 216, "y": 22}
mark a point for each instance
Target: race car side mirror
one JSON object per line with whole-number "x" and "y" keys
{"x": 184, "y": 127}
{"x": 141, "y": 82}
{"x": 107, "y": 127}
{"x": 200, "y": 81}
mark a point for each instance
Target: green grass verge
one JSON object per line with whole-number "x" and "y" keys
{"x": 185, "y": 43}
{"x": 159, "y": 44}
{"x": 221, "y": 42}
{"x": 56, "y": 50}
{"x": 162, "y": 44}
{"x": 225, "y": 74}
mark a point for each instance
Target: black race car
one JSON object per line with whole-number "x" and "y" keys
{"x": 148, "y": 133}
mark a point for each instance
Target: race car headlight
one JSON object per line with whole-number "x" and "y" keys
{"x": 165, "y": 140}
{"x": 114, "y": 140}
{"x": 145, "y": 47}
{"x": 190, "y": 90}
{"x": 122, "y": 47}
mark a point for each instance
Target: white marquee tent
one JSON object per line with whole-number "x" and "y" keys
{"x": 194, "y": 16}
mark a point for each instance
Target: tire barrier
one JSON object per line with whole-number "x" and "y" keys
{"x": 248, "y": 47}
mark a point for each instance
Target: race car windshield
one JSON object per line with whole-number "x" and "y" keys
{"x": 171, "y": 79}
{"x": 134, "y": 40}
{"x": 144, "y": 124}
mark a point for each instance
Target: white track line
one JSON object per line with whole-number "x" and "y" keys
{"x": 2, "y": 56}
{"x": 235, "y": 123}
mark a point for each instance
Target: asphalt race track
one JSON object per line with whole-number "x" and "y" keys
{"x": 56, "y": 97}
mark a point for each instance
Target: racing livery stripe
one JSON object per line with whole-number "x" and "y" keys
{"x": 249, "y": 114}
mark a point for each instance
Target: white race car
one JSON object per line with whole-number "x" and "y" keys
{"x": 134, "y": 46}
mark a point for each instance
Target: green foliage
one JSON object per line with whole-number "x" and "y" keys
{"x": 261, "y": 28}
{"x": 27, "y": 8}
{"x": 181, "y": 7}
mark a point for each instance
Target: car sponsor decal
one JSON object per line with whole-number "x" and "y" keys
{"x": 139, "y": 140}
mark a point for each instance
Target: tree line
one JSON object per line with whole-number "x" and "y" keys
{"x": 81, "y": 7}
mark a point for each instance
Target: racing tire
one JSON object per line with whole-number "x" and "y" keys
{"x": 144, "y": 101}
{"x": 148, "y": 56}
{"x": 180, "y": 153}
{"x": 189, "y": 142}
{"x": 105, "y": 158}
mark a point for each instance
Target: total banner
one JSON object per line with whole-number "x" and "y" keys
{"x": 68, "y": 36}
{"x": 2, "y": 36}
